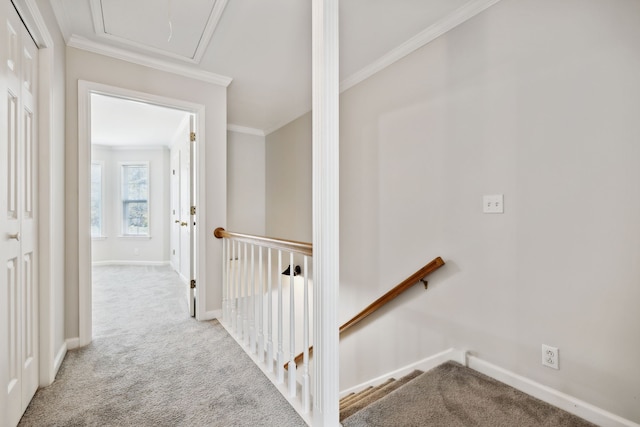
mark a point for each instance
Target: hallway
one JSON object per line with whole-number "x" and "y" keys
{"x": 152, "y": 364}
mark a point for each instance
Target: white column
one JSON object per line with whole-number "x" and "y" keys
{"x": 326, "y": 238}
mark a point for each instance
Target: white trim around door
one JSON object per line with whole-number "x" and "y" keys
{"x": 85, "y": 89}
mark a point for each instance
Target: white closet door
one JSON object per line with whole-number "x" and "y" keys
{"x": 18, "y": 222}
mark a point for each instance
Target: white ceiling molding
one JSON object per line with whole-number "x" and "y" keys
{"x": 97, "y": 14}
{"x": 158, "y": 64}
{"x": 462, "y": 14}
{"x": 244, "y": 129}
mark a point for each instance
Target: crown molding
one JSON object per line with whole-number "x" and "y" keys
{"x": 158, "y": 64}
{"x": 244, "y": 129}
{"x": 460, "y": 15}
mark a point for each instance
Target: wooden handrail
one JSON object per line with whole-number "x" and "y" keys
{"x": 377, "y": 304}
{"x": 269, "y": 242}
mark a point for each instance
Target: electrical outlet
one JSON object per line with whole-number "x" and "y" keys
{"x": 550, "y": 356}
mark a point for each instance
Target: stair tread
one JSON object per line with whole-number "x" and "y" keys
{"x": 364, "y": 393}
{"x": 355, "y": 396}
{"x": 346, "y": 398}
{"x": 377, "y": 393}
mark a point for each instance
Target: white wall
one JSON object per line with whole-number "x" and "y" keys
{"x": 114, "y": 247}
{"x": 288, "y": 183}
{"x": 246, "y": 183}
{"x": 83, "y": 65}
{"x": 537, "y": 100}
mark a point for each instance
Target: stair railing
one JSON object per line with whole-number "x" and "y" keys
{"x": 253, "y": 299}
{"x": 407, "y": 283}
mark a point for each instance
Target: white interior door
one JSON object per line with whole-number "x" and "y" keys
{"x": 182, "y": 218}
{"x": 186, "y": 219}
{"x": 189, "y": 216}
{"x": 192, "y": 216}
{"x": 18, "y": 222}
{"x": 185, "y": 201}
{"x": 175, "y": 209}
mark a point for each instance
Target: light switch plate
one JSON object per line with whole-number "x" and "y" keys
{"x": 493, "y": 203}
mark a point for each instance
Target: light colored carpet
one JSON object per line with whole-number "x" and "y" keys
{"x": 150, "y": 364}
{"x": 455, "y": 396}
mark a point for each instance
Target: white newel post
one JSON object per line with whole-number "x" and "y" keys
{"x": 326, "y": 239}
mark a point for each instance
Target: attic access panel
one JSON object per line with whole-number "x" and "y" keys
{"x": 176, "y": 28}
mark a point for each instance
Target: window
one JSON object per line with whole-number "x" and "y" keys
{"x": 135, "y": 199}
{"x": 96, "y": 200}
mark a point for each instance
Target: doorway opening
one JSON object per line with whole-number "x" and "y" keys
{"x": 140, "y": 161}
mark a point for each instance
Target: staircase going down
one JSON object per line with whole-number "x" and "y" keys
{"x": 449, "y": 395}
{"x": 354, "y": 402}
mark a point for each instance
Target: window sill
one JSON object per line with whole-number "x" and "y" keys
{"x": 98, "y": 237}
{"x": 134, "y": 237}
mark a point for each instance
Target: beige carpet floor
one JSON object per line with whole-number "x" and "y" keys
{"x": 150, "y": 364}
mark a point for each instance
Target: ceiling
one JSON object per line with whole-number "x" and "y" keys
{"x": 263, "y": 46}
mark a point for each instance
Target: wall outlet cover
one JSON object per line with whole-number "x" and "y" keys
{"x": 493, "y": 203}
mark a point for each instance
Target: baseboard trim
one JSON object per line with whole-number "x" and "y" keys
{"x": 212, "y": 314}
{"x": 72, "y": 343}
{"x": 127, "y": 262}
{"x": 423, "y": 365}
{"x": 57, "y": 361}
{"x": 552, "y": 396}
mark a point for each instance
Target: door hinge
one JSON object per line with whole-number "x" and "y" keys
{"x": 193, "y": 283}
{"x": 193, "y": 210}
{"x": 192, "y": 136}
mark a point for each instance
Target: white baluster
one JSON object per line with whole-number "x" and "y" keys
{"x": 260, "y": 308}
{"x": 239, "y": 296}
{"x": 280, "y": 359}
{"x": 291, "y": 372}
{"x": 306, "y": 393}
{"x": 245, "y": 299}
{"x": 269, "y": 313}
{"x": 228, "y": 280}
{"x": 252, "y": 304}
{"x": 234, "y": 293}
{"x": 229, "y": 283}
{"x": 225, "y": 293}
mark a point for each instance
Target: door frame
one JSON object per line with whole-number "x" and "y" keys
{"x": 85, "y": 89}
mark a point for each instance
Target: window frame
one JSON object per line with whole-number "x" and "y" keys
{"x": 122, "y": 166}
